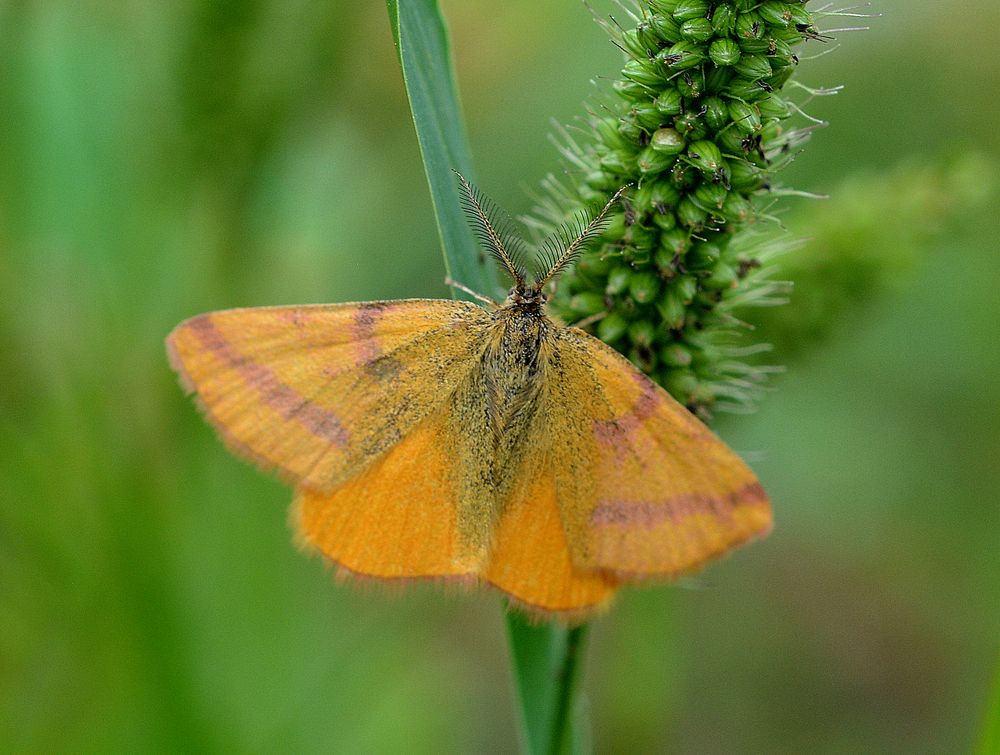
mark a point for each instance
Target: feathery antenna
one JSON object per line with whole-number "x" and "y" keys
{"x": 560, "y": 249}
{"x": 493, "y": 230}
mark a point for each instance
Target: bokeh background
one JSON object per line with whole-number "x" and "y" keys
{"x": 163, "y": 159}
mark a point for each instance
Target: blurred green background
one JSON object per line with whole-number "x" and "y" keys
{"x": 163, "y": 159}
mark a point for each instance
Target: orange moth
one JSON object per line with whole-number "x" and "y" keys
{"x": 440, "y": 439}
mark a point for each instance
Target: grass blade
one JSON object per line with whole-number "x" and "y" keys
{"x": 424, "y": 52}
{"x": 544, "y": 656}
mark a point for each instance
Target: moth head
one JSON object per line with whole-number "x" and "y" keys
{"x": 529, "y": 295}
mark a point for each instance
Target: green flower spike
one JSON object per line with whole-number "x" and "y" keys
{"x": 697, "y": 123}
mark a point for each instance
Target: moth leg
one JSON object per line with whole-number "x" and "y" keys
{"x": 452, "y": 283}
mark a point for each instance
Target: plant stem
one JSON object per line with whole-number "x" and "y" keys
{"x": 545, "y": 658}
{"x": 989, "y": 737}
{"x": 547, "y": 661}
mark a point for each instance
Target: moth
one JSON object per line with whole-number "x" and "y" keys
{"x": 442, "y": 439}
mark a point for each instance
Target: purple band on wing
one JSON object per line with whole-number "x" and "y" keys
{"x": 610, "y": 431}
{"x": 651, "y": 514}
{"x": 292, "y": 406}
{"x": 363, "y": 331}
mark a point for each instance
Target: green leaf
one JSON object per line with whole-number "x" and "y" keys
{"x": 422, "y": 45}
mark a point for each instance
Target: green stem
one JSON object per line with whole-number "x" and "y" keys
{"x": 547, "y": 661}
{"x": 989, "y": 737}
{"x": 545, "y": 658}
{"x": 565, "y": 723}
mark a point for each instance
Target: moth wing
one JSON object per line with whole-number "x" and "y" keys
{"x": 318, "y": 392}
{"x": 398, "y": 518}
{"x": 415, "y": 513}
{"x": 530, "y": 559}
{"x": 645, "y": 489}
